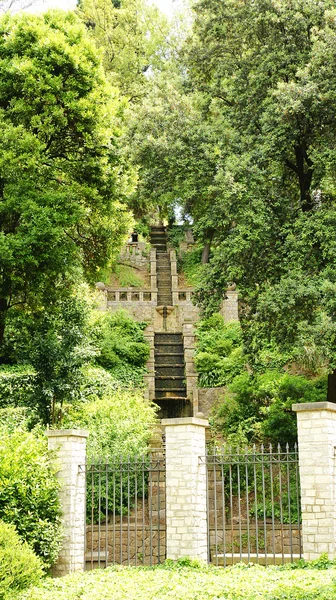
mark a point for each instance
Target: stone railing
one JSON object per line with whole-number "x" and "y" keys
{"x": 130, "y": 295}
{"x": 135, "y": 253}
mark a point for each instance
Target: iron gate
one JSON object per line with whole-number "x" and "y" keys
{"x": 253, "y": 498}
{"x": 125, "y": 512}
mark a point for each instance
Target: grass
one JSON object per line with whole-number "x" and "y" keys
{"x": 188, "y": 580}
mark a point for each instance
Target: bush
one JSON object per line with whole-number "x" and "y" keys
{"x": 260, "y": 406}
{"x": 29, "y": 492}
{"x": 119, "y": 339}
{"x": 119, "y": 423}
{"x": 19, "y": 566}
{"x": 219, "y": 355}
{"x": 17, "y": 384}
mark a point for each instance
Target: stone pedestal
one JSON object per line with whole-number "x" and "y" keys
{"x": 317, "y": 442}
{"x": 69, "y": 446}
{"x": 186, "y": 502}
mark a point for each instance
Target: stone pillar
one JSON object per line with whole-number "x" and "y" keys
{"x": 317, "y": 441}
{"x": 230, "y": 306}
{"x": 186, "y": 502}
{"x": 149, "y": 377}
{"x": 188, "y": 333}
{"x": 70, "y": 448}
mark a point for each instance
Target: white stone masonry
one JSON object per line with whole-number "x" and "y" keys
{"x": 317, "y": 443}
{"x": 186, "y": 503}
{"x": 69, "y": 446}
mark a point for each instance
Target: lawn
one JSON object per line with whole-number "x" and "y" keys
{"x": 193, "y": 582}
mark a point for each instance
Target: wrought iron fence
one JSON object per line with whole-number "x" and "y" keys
{"x": 253, "y": 500}
{"x": 125, "y": 512}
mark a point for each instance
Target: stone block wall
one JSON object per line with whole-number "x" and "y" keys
{"x": 69, "y": 447}
{"x": 186, "y": 518}
{"x": 317, "y": 443}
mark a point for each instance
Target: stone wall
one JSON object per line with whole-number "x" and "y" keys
{"x": 229, "y": 309}
{"x": 209, "y": 397}
{"x": 69, "y": 448}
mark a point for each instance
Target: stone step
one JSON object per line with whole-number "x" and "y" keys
{"x": 163, "y": 350}
{"x": 168, "y": 338}
{"x": 170, "y": 370}
{"x": 166, "y": 359}
{"x": 172, "y": 392}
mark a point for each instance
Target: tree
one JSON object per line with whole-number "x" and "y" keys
{"x": 269, "y": 70}
{"x": 132, "y": 36}
{"x": 61, "y": 182}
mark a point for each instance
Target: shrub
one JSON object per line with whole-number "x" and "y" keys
{"x": 120, "y": 340}
{"x": 17, "y": 384}
{"x": 19, "y": 566}
{"x": 260, "y": 406}
{"x": 119, "y": 423}
{"x": 29, "y": 492}
{"x": 219, "y": 355}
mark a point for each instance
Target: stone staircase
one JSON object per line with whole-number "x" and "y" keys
{"x": 170, "y": 387}
{"x": 158, "y": 240}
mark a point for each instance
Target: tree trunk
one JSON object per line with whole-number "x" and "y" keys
{"x": 3, "y": 312}
{"x": 331, "y": 396}
{"x": 206, "y": 253}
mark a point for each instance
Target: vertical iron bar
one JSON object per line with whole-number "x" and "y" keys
{"x": 255, "y": 501}
{"x": 272, "y": 499}
{"x": 280, "y": 502}
{"x": 223, "y": 509}
{"x": 215, "y": 505}
{"x": 99, "y": 509}
{"x": 247, "y": 506}
{"x": 92, "y": 512}
{"x": 143, "y": 509}
{"x": 239, "y": 505}
{"x": 121, "y": 510}
{"x": 106, "y": 512}
{"x": 114, "y": 511}
{"x": 158, "y": 513}
{"x": 136, "y": 510}
{"x": 231, "y": 502}
{"x": 128, "y": 511}
{"x": 264, "y": 499}
{"x": 85, "y": 516}
{"x": 298, "y": 495}
{"x": 289, "y": 503}
{"x": 207, "y": 464}
{"x": 150, "y": 498}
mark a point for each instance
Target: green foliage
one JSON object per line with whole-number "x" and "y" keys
{"x": 260, "y": 406}
{"x": 219, "y": 355}
{"x": 19, "y": 566}
{"x": 188, "y": 580}
{"x": 191, "y": 266}
{"x": 17, "y": 384}
{"x": 61, "y": 177}
{"x": 120, "y": 340}
{"x": 29, "y": 492}
{"x": 128, "y": 277}
{"x": 119, "y": 424}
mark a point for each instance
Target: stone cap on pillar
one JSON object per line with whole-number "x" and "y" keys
{"x": 313, "y": 406}
{"x": 67, "y": 433}
{"x": 186, "y": 421}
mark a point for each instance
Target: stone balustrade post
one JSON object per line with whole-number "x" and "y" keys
{"x": 186, "y": 494}
{"x": 317, "y": 443}
{"x": 69, "y": 446}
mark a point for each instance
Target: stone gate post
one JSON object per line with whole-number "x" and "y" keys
{"x": 70, "y": 448}
{"x": 317, "y": 443}
{"x": 186, "y": 494}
